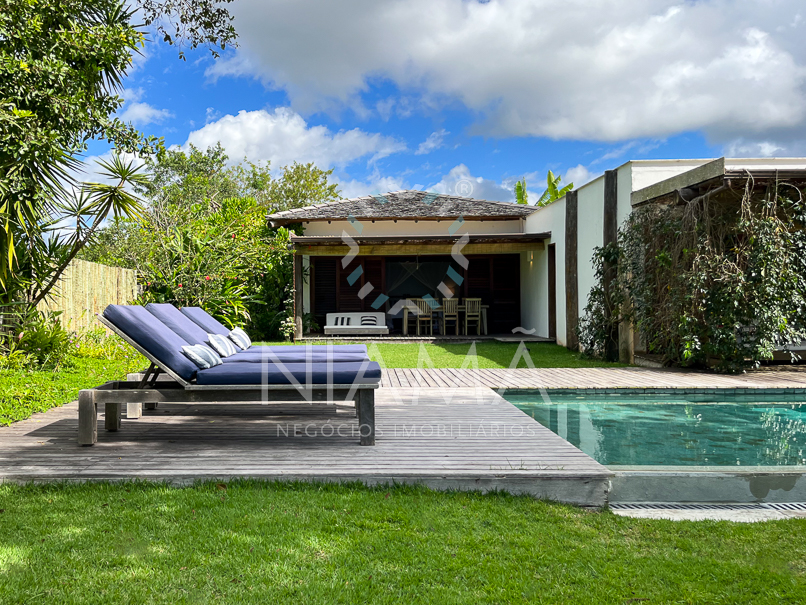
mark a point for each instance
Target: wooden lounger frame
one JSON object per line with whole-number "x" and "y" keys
{"x": 150, "y": 391}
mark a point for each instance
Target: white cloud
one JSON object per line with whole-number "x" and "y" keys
{"x": 374, "y": 184}
{"x": 459, "y": 181}
{"x": 580, "y": 69}
{"x": 741, "y": 148}
{"x": 434, "y": 141}
{"x": 283, "y": 137}
{"x": 139, "y": 113}
{"x": 578, "y": 175}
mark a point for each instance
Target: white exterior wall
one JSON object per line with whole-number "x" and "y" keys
{"x": 401, "y": 227}
{"x": 590, "y": 207}
{"x": 535, "y": 275}
{"x": 590, "y": 234}
{"x": 648, "y": 172}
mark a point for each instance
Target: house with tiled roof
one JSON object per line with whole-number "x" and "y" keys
{"x": 368, "y": 253}
{"x": 530, "y": 266}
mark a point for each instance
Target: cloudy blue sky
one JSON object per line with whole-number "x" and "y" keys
{"x": 426, "y": 94}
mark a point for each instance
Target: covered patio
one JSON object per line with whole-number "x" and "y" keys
{"x": 373, "y": 254}
{"x": 389, "y": 270}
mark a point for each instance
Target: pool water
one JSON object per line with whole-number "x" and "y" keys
{"x": 664, "y": 431}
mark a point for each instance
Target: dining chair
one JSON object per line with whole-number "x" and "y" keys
{"x": 412, "y": 317}
{"x": 472, "y": 313}
{"x": 450, "y": 312}
{"x": 425, "y": 316}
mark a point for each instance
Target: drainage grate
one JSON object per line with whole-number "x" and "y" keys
{"x": 798, "y": 506}
{"x": 781, "y": 506}
{"x": 687, "y": 506}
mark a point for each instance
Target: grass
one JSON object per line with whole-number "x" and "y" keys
{"x": 24, "y": 392}
{"x": 252, "y": 542}
{"x": 489, "y": 354}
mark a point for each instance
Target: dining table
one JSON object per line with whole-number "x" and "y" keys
{"x": 438, "y": 309}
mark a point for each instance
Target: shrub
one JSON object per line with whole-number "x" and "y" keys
{"x": 713, "y": 281}
{"x": 37, "y": 340}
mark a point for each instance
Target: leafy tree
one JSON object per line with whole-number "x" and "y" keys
{"x": 301, "y": 185}
{"x": 191, "y": 22}
{"x": 521, "y": 195}
{"x": 61, "y": 65}
{"x": 553, "y": 191}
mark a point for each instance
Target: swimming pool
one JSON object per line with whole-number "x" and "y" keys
{"x": 675, "y": 429}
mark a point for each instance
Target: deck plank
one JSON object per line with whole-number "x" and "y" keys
{"x": 451, "y": 432}
{"x": 445, "y": 438}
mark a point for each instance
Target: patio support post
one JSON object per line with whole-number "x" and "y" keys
{"x": 571, "y": 283}
{"x": 365, "y": 398}
{"x": 298, "y": 301}
{"x": 87, "y": 418}
{"x": 610, "y": 236}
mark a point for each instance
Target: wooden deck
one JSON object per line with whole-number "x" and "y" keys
{"x": 443, "y": 438}
{"x": 593, "y": 378}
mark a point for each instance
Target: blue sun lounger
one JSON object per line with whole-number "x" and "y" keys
{"x": 194, "y": 333}
{"x": 236, "y": 381}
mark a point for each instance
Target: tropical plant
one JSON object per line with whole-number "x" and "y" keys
{"x": 38, "y": 338}
{"x": 61, "y": 65}
{"x": 718, "y": 280}
{"x": 521, "y": 195}
{"x": 553, "y": 190}
{"x": 44, "y": 249}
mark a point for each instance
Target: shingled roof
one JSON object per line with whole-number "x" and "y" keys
{"x": 406, "y": 205}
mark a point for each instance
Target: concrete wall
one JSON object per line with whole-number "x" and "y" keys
{"x": 534, "y": 277}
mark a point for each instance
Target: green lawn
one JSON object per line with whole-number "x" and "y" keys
{"x": 488, "y": 355}
{"x": 23, "y": 392}
{"x": 273, "y": 543}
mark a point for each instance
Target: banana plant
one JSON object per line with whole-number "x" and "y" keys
{"x": 553, "y": 191}
{"x": 521, "y": 195}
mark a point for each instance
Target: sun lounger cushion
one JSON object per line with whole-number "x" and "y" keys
{"x": 291, "y": 373}
{"x": 294, "y": 353}
{"x": 154, "y": 336}
{"x": 203, "y": 319}
{"x": 202, "y": 355}
{"x": 178, "y": 322}
{"x": 211, "y": 325}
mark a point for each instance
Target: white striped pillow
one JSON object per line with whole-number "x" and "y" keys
{"x": 240, "y": 338}
{"x": 202, "y": 355}
{"x": 222, "y": 345}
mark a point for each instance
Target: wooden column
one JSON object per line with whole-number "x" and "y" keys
{"x": 87, "y": 418}
{"x": 298, "y": 296}
{"x": 610, "y": 236}
{"x": 571, "y": 278}
{"x": 365, "y": 404}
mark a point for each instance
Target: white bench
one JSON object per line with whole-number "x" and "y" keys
{"x": 356, "y": 323}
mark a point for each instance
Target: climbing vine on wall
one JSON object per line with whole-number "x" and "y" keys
{"x": 718, "y": 280}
